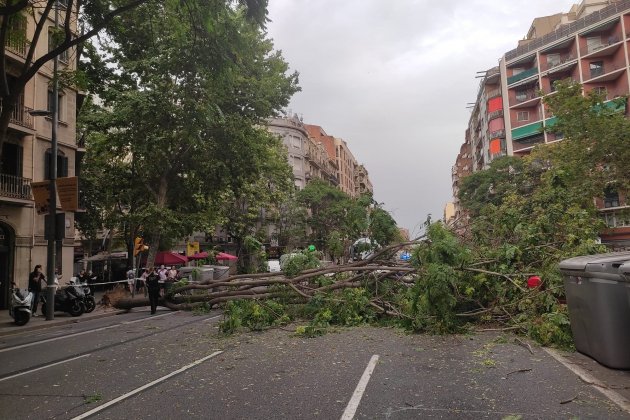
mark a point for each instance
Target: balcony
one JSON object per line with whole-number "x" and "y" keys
{"x": 522, "y": 75}
{"x": 15, "y": 187}
{"x": 602, "y": 50}
{"x": 560, "y": 63}
{"x": 498, "y": 134}
{"x": 605, "y": 72}
{"x": 20, "y": 115}
{"x": 17, "y": 44}
{"x": 523, "y": 132}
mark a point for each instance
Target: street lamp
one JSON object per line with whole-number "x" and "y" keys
{"x": 52, "y": 188}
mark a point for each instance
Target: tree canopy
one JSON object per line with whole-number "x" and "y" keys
{"x": 184, "y": 93}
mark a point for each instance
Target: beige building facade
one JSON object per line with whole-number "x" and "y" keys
{"x": 26, "y": 155}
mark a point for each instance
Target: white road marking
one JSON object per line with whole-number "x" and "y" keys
{"x": 143, "y": 387}
{"x": 21, "y": 346}
{"x": 43, "y": 367}
{"x": 353, "y": 404}
{"x": 615, "y": 397}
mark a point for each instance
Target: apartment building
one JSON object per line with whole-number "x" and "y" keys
{"x": 347, "y": 166}
{"x": 326, "y": 144}
{"x": 589, "y": 44}
{"x": 295, "y": 138}
{"x": 362, "y": 183}
{"x": 26, "y": 157}
{"x": 314, "y": 154}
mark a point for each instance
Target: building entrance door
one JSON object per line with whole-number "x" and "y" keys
{"x": 7, "y": 239}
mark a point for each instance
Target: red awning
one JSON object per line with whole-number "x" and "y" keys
{"x": 199, "y": 256}
{"x": 223, "y": 256}
{"x": 169, "y": 258}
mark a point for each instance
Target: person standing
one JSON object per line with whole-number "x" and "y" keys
{"x": 153, "y": 286}
{"x": 163, "y": 273}
{"x": 131, "y": 280}
{"x": 35, "y": 285}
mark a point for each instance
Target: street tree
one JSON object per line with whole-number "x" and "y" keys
{"x": 184, "y": 102}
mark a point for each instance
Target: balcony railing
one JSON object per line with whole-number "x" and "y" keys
{"x": 616, "y": 219}
{"x": 20, "y": 115}
{"x": 592, "y": 48}
{"x": 17, "y": 44}
{"x": 496, "y": 134}
{"x": 570, "y": 29}
{"x": 526, "y": 95}
{"x": 15, "y": 187}
{"x": 563, "y": 60}
{"x": 522, "y": 75}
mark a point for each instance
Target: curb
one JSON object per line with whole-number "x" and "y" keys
{"x": 56, "y": 322}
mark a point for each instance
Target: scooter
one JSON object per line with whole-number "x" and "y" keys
{"x": 88, "y": 296}
{"x": 20, "y": 305}
{"x": 67, "y": 299}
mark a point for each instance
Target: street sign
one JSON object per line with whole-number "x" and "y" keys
{"x": 68, "y": 192}
{"x": 41, "y": 196}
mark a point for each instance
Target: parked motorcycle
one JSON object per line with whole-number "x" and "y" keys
{"x": 68, "y": 299}
{"x": 88, "y": 296}
{"x": 20, "y": 305}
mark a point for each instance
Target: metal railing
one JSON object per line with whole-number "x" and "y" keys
{"x": 526, "y": 95}
{"x": 592, "y": 48}
{"x": 569, "y": 29}
{"x": 20, "y": 115}
{"x": 563, "y": 60}
{"x": 15, "y": 187}
{"x": 522, "y": 75}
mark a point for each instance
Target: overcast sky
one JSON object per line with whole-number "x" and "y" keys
{"x": 393, "y": 77}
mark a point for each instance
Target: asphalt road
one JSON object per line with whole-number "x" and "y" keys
{"x": 174, "y": 365}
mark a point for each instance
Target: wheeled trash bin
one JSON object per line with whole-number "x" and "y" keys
{"x": 599, "y": 308}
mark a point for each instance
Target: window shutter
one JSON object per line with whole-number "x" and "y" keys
{"x": 47, "y": 165}
{"x": 19, "y": 153}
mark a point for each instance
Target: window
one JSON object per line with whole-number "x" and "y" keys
{"x": 62, "y": 164}
{"x": 50, "y": 105}
{"x": 593, "y": 43}
{"x": 517, "y": 70}
{"x": 553, "y": 60}
{"x": 597, "y": 68}
{"x": 611, "y": 198}
{"x": 522, "y": 116}
{"x": 297, "y": 143}
{"x": 600, "y": 91}
{"x": 56, "y": 37}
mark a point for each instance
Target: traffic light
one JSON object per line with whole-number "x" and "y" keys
{"x": 139, "y": 246}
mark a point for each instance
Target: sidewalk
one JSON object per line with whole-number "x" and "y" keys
{"x": 8, "y": 327}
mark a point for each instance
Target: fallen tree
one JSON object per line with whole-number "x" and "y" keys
{"x": 444, "y": 289}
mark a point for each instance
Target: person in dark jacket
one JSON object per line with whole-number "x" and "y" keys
{"x": 153, "y": 287}
{"x": 35, "y": 285}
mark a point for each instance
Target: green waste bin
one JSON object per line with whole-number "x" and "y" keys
{"x": 599, "y": 308}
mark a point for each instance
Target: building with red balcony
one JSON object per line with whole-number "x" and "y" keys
{"x": 590, "y": 44}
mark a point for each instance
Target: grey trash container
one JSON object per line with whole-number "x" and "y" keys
{"x": 221, "y": 272}
{"x": 599, "y": 308}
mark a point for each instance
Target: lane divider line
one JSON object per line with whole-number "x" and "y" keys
{"x": 48, "y": 340}
{"x": 43, "y": 367}
{"x": 353, "y": 404}
{"x": 143, "y": 387}
{"x": 613, "y": 396}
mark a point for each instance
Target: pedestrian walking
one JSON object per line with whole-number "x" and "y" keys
{"x": 35, "y": 286}
{"x": 153, "y": 286}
